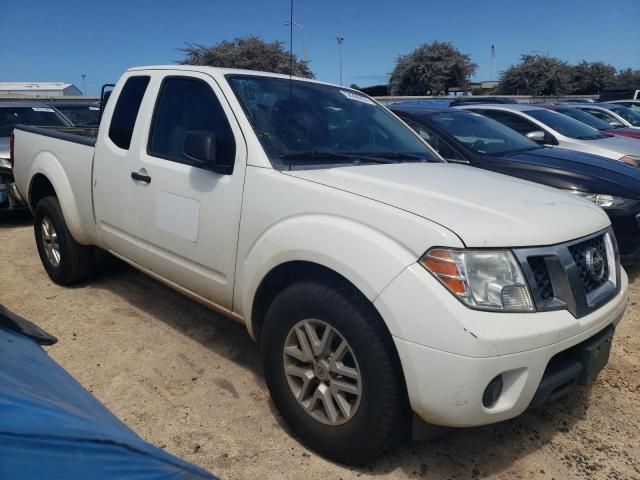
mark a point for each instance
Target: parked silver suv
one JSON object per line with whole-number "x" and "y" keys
{"x": 551, "y": 128}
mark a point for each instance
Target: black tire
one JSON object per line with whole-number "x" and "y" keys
{"x": 76, "y": 261}
{"x": 383, "y": 416}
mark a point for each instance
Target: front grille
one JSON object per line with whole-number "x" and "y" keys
{"x": 574, "y": 275}
{"x": 580, "y": 252}
{"x": 542, "y": 277}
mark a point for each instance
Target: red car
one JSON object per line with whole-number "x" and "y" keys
{"x": 592, "y": 121}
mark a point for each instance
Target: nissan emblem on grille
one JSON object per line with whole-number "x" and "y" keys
{"x": 595, "y": 263}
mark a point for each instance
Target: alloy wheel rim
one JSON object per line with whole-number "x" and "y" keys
{"x": 322, "y": 372}
{"x": 50, "y": 241}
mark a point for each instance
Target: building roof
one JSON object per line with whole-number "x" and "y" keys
{"x": 33, "y": 86}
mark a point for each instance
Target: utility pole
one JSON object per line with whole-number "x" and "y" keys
{"x": 84, "y": 84}
{"x": 304, "y": 40}
{"x": 493, "y": 62}
{"x": 340, "y": 39}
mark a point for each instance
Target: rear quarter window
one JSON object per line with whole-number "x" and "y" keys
{"x": 126, "y": 111}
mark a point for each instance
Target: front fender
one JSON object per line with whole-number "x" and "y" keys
{"x": 369, "y": 258}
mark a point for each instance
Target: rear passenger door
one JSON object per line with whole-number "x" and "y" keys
{"x": 114, "y": 194}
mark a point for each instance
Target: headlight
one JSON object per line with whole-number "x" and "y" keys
{"x": 604, "y": 200}
{"x": 4, "y": 162}
{"x": 633, "y": 160}
{"x": 481, "y": 279}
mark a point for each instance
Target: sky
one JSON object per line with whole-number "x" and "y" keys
{"x": 58, "y": 40}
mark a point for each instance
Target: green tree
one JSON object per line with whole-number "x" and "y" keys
{"x": 250, "y": 53}
{"x": 590, "y": 78}
{"x": 431, "y": 69}
{"x": 628, "y": 78}
{"x": 536, "y": 75}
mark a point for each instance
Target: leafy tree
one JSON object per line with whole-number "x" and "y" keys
{"x": 591, "y": 78}
{"x": 355, "y": 86}
{"x": 628, "y": 77}
{"x": 251, "y": 53}
{"x": 536, "y": 75}
{"x": 431, "y": 69}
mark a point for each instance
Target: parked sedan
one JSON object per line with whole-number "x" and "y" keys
{"x": 464, "y": 137}
{"x": 613, "y": 114}
{"x": 554, "y": 129}
{"x": 11, "y": 114}
{"x": 592, "y": 121}
{"x": 80, "y": 114}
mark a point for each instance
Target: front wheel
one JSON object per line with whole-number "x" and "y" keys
{"x": 332, "y": 372}
{"x": 64, "y": 259}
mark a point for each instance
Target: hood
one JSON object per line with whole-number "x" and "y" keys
{"x": 483, "y": 208}
{"x": 4, "y": 147}
{"x": 624, "y": 132}
{"x": 568, "y": 169}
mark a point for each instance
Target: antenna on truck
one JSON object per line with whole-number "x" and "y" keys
{"x": 290, "y": 46}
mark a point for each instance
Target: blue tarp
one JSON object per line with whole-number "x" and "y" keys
{"x": 52, "y": 428}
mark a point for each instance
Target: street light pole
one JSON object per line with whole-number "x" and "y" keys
{"x": 304, "y": 40}
{"x": 340, "y": 39}
{"x": 84, "y": 84}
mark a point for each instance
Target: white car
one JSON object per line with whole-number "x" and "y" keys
{"x": 612, "y": 113}
{"x": 551, "y": 128}
{"x": 378, "y": 279}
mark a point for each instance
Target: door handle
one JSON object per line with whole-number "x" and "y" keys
{"x": 141, "y": 177}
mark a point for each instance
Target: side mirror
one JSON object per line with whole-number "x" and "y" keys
{"x": 537, "y": 136}
{"x": 200, "y": 146}
{"x": 615, "y": 124}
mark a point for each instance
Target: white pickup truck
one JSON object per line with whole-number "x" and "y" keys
{"x": 378, "y": 279}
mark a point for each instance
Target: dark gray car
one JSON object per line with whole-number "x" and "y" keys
{"x": 26, "y": 113}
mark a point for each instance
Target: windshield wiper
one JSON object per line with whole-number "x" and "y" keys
{"x": 590, "y": 137}
{"x": 316, "y": 155}
{"x": 334, "y": 157}
{"x": 396, "y": 157}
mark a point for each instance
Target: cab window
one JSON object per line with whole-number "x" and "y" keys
{"x": 187, "y": 105}
{"x": 126, "y": 111}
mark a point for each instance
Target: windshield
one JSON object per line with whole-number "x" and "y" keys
{"x": 565, "y": 126}
{"x": 480, "y": 134}
{"x": 586, "y": 118}
{"x": 313, "y": 125}
{"x": 81, "y": 115}
{"x": 36, "y": 116}
{"x": 629, "y": 115}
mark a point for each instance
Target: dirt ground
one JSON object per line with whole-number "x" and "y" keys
{"x": 190, "y": 381}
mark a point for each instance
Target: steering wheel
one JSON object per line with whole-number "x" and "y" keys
{"x": 477, "y": 145}
{"x": 345, "y": 144}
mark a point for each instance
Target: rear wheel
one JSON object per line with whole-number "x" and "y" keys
{"x": 333, "y": 373}
{"x": 64, "y": 259}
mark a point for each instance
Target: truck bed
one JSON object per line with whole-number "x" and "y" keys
{"x": 66, "y": 154}
{"x": 82, "y": 135}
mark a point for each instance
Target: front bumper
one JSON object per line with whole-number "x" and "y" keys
{"x": 449, "y": 353}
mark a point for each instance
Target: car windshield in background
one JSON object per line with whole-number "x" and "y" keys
{"x": 565, "y": 126}
{"x": 306, "y": 124}
{"x": 586, "y": 118}
{"x": 629, "y": 115}
{"x": 480, "y": 134}
{"x": 81, "y": 115}
{"x": 37, "y": 116}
